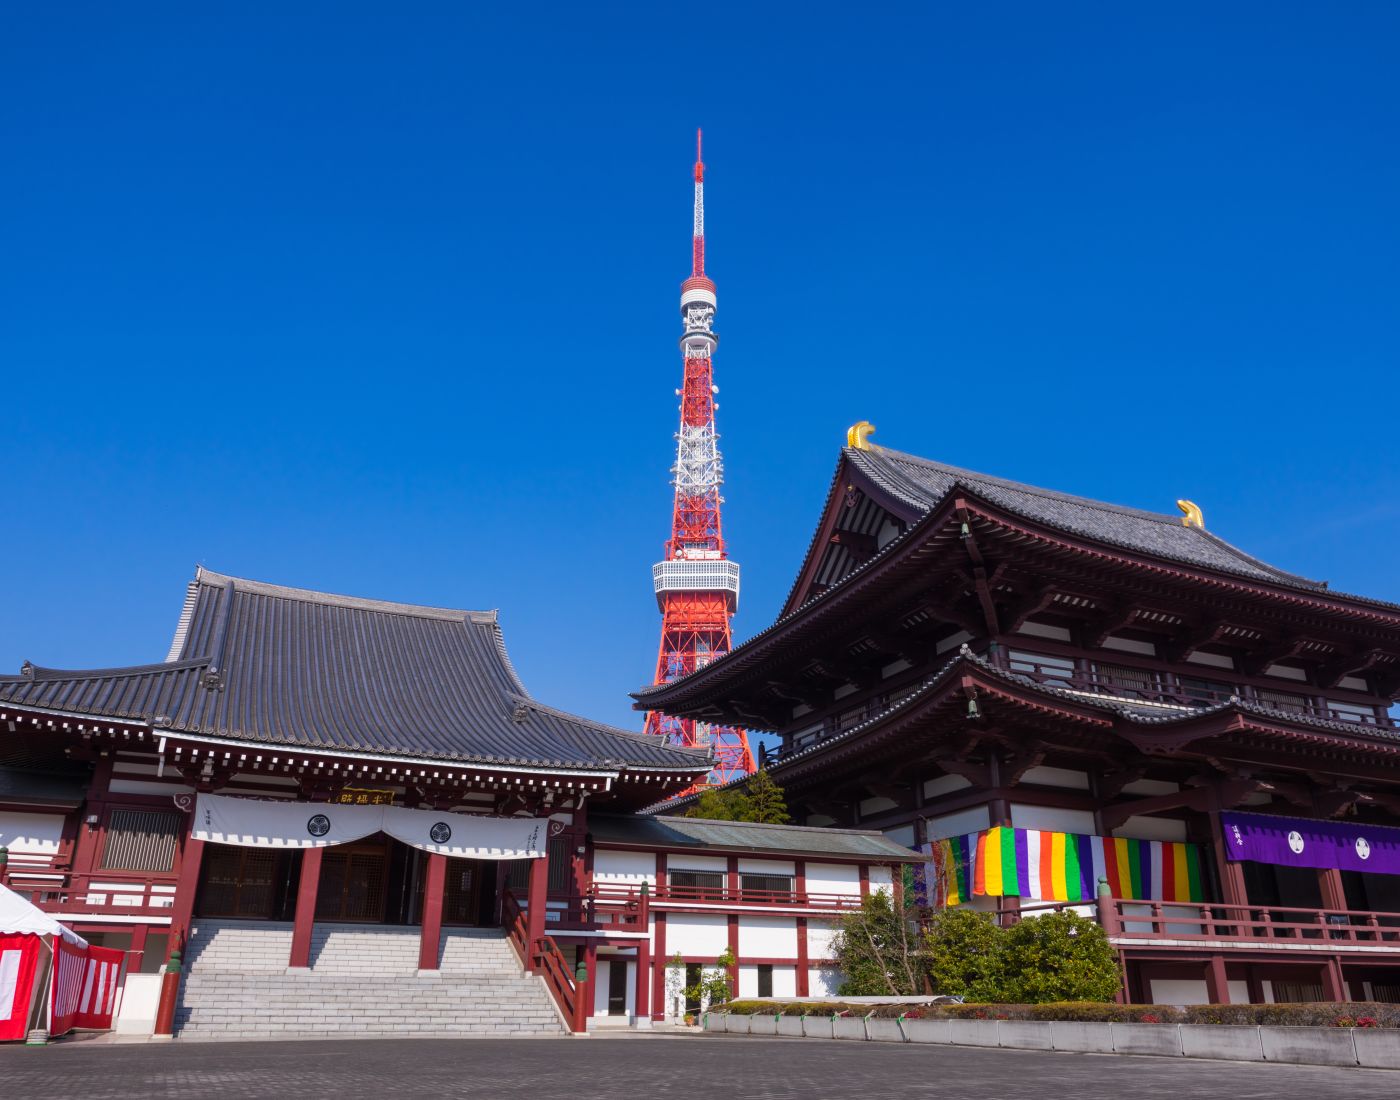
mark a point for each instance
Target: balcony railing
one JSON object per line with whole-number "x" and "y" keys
{"x": 106, "y": 893}
{"x": 1249, "y": 924}
{"x": 623, "y": 907}
{"x": 1168, "y": 691}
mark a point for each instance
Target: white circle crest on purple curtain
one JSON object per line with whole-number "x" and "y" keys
{"x": 1295, "y": 841}
{"x": 1363, "y": 848}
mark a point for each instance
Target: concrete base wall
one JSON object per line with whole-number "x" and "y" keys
{"x": 1317, "y": 1046}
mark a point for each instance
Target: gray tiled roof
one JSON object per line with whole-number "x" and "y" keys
{"x": 694, "y": 832}
{"x": 273, "y": 665}
{"x": 924, "y": 484}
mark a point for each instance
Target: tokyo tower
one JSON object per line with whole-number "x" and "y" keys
{"x": 697, "y": 586}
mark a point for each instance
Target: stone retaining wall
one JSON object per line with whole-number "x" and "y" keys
{"x": 1374, "y": 1048}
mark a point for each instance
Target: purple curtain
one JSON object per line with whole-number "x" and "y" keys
{"x": 1302, "y": 842}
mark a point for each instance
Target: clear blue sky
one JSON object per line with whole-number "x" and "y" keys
{"x": 382, "y": 299}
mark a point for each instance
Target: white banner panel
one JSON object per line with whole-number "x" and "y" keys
{"x": 254, "y": 823}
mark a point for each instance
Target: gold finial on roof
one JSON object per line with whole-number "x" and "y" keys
{"x": 1192, "y": 515}
{"x": 858, "y": 435}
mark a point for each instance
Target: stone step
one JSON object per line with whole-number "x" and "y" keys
{"x": 362, "y": 981}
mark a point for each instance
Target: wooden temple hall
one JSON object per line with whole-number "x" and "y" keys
{"x": 1063, "y": 701}
{"x": 328, "y": 815}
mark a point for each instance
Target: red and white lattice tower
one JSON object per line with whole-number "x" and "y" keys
{"x": 697, "y": 586}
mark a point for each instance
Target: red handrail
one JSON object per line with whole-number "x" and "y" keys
{"x": 544, "y": 958}
{"x": 1249, "y": 923}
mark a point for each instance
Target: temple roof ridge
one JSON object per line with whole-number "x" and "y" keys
{"x": 1176, "y": 541}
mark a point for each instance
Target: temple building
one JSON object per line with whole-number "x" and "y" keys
{"x": 1067, "y": 702}
{"x": 351, "y": 815}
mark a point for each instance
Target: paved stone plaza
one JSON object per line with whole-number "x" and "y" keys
{"x": 607, "y": 1068}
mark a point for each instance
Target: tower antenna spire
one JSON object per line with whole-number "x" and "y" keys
{"x": 697, "y": 245}
{"x": 697, "y": 586}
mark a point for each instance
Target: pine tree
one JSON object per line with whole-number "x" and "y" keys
{"x": 767, "y": 803}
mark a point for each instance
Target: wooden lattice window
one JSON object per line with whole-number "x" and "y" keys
{"x": 141, "y": 840}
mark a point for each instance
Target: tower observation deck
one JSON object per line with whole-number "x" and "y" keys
{"x": 697, "y": 586}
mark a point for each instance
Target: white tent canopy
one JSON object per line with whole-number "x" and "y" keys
{"x": 18, "y": 915}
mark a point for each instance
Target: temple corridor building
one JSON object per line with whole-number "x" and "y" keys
{"x": 1062, "y": 701}
{"x": 351, "y": 814}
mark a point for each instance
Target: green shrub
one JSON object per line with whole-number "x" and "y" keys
{"x": 1057, "y": 957}
{"x": 965, "y": 954}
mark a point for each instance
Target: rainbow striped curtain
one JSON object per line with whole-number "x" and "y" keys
{"x": 1031, "y": 863}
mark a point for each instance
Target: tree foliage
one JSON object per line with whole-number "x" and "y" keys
{"x": 964, "y": 951}
{"x": 877, "y": 951}
{"x": 713, "y": 987}
{"x": 760, "y": 799}
{"x": 1058, "y": 957}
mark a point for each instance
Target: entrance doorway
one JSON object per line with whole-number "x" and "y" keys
{"x": 461, "y": 895}
{"x": 353, "y": 881}
{"x": 247, "y": 883}
{"x": 617, "y": 987}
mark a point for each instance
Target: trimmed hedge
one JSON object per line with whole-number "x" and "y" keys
{"x": 1325, "y": 1014}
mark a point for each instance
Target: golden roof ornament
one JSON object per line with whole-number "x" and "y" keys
{"x": 858, "y": 435}
{"x": 1191, "y": 516}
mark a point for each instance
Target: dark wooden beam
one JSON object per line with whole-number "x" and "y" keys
{"x": 1112, "y": 620}
{"x": 1016, "y": 612}
{"x": 1187, "y": 641}
{"x": 1331, "y": 674}
{"x": 1257, "y": 661}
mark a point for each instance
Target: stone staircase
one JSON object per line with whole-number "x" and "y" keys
{"x": 362, "y": 982}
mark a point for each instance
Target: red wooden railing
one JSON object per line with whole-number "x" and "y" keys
{"x": 1155, "y": 920}
{"x": 61, "y": 892}
{"x": 624, "y": 906}
{"x": 544, "y": 958}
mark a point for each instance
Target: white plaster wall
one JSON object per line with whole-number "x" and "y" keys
{"x": 767, "y": 866}
{"x": 1052, "y": 819}
{"x": 1178, "y": 992}
{"x": 600, "y": 986}
{"x": 1142, "y": 827}
{"x": 32, "y": 834}
{"x": 881, "y": 880}
{"x": 822, "y": 982}
{"x": 702, "y": 934}
{"x": 1184, "y": 992}
{"x": 869, "y": 807}
{"x": 833, "y": 878}
{"x": 819, "y": 934}
{"x": 689, "y": 861}
{"x": 629, "y": 867}
{"x": 903, "y": 835}
{"x": 784, "y": 981}
{"x": 767, "y": 937}
{"x": 1057, "y": 777}
{"x": 971, "y": 820}
{"x": 945, "y": 784}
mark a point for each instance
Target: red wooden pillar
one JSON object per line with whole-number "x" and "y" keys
{"x": 734, "y": 951}
{"x": 589, "y": 992}
{"x": 804, "y": 972}
{"x": 658, "y": 988}
{"x": 1334, "y": 895}
{"x": 430, "y": 939}
{"x": 642, "y": 1007}
{"x": 1333, "y": 987}
{"x": 1217, "y": 985}
{"x": 186, "y": 887}
{"x": 305, "y": 916}
{"x": 1232, "y": 888}
{"x": 537, "y": 900}
{"x": 865, "y": 880}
